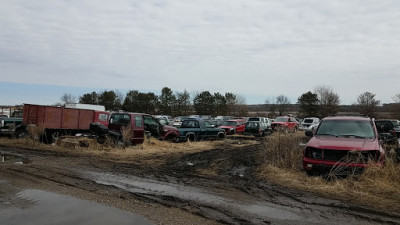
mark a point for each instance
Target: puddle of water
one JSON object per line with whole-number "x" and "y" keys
{"x": 54, "y": 209}
{"x": 249, "y": 206}
{"x": 13, "y": 159}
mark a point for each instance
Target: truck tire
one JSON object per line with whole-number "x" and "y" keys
{"x": 190, "y": 137}
{"x": 220, "y": 136}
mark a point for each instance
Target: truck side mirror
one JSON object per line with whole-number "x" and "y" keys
{"x": 309, "y": 133}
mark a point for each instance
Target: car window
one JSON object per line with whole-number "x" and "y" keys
{"x": 149, "y": 120}
{"x": 208, "y": 124}
{"x": 138, "y": 121}
{"x": 346, "y": 128}
{"x": 190, "y": 124}
{"x": 252, "y": 125}
{"x": 308, "y": 120}
{"x": 123, "y": 119}
{"x": 281, "y": 119}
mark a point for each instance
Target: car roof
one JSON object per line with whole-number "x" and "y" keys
{"x": 348, "y": 118}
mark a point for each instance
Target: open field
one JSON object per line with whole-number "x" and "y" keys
{"x": 268, "y": 169}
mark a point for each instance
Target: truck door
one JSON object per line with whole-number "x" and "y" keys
{"x": 151, "y": 125}
{"x": 138, "y": 129}
{"x": 210, "y": 130}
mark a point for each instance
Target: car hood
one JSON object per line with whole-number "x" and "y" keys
{"x": 280, "y": 123}
{"x": 339, "y": 143}
{"x": 170, "y": 128}
{"x": 226, "y": 127}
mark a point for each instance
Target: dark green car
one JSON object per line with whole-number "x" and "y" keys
{"x": 196, "y": 129}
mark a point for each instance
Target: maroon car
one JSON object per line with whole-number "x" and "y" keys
{"x": 343, "y": 144}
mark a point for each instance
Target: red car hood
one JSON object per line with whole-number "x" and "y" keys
{"x": 280, "y": 123}
{"x": 344, "y": 143}
{"x": 226, "y": 127}
{"x": 169, "y": 128}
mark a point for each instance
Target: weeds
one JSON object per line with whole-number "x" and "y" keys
{"x": 283, "y": 151}
{"x": 377, "y": 187}
{"x": 127, "y": 135}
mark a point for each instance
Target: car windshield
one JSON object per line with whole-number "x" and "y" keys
{"x": 308, "y": 121}
{"x": 281, "y": 119}
{"x": 254, "y": 119}
{"x": 229, "y": 123}
{"x": 346, "y": 128}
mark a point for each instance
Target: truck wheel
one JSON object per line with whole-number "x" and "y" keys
{"x": 171, "y": 138}
{"x": 190, "y": 137}
{"x": 220, "y": 136}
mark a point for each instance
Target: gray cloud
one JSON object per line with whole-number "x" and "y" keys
{"x": 252, "y": 47}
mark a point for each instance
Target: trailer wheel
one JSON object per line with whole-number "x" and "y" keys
{"x": 21, "y": 133}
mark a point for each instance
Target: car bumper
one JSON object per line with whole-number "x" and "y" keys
{"x": 327, "y": 166}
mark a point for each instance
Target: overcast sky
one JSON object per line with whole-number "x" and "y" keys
{"x": 256, "y": 48}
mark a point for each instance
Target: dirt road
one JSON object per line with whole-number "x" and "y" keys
{"x": 186, "y": 189}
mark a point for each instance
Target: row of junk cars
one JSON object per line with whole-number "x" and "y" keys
{"x": 348, "y": 142}
{"x": 339, "y": 144}
{"x": 258, "y": 126}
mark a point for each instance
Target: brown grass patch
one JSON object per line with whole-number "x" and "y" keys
{"x": 377, "y": 187}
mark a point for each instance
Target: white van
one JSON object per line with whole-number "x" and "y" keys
{"x": 308, "y": 122}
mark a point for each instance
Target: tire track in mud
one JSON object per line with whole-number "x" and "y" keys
{"x": 229, "y": 185}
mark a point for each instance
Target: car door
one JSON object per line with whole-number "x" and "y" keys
{"x": 151, "y": 125}
{"x": 210, "y": 131}
{"x": 292, "y": 122}
{"x": 138, "y": 129}
{"x": 240, "y": 127}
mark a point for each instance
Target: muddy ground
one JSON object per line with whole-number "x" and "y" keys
{"x": 215, "y": 186}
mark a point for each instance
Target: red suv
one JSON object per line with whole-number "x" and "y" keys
{"x": 285, "y": 123}
{"x": 233, "y": 126}
{"x": 342, "y": 144}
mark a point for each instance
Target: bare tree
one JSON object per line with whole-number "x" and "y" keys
{"x": 329, "y": 100}
{"x": 282, "y": 103}
{"x": 271, "y": 107}
{"x": 242, "y": 109}
{"x": 396, "y": 98}
{"x": 68, "y": 98}
{"x": 236, "y": 104}
{"x": 367, "y": 104}
{"x": 396, "y": 106}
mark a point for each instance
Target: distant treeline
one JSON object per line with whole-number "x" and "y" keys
{"x": 167, "y": 103}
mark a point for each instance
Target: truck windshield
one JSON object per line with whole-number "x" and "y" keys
{"x": 229, "y": 123}
{"x": 281, "y": 119}
{"x": 121, "y": 119}
{"x": 346, "y": 128}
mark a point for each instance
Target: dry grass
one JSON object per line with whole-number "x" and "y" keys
{"x": 127, "y": 135}
{"x": 377, "y": 187}
{"x": 283, "y": 151}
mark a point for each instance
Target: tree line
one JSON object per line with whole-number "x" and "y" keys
{"x": 167, "y": 103}
{"x": 321, "y": 102}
